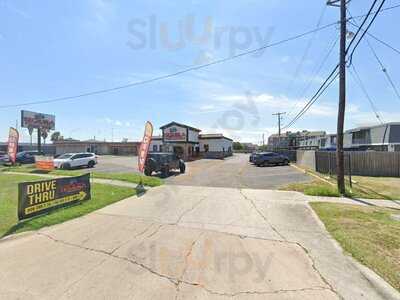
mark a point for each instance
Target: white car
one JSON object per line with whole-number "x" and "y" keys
{"x": 75, "y": 160}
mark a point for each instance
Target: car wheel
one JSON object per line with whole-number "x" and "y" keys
{"x": 286, "y": 162}
{"x": 147, "y": 172}
{"x": 91, "y": 164}
{"x": 66, "y": 166}
{"x": 182, "y": 168}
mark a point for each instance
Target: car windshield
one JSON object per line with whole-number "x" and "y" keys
{"x": 65, "y": 156}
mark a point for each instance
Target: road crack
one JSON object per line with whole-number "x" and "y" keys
{"x": 262, "y": 215}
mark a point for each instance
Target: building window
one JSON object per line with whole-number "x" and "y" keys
{"x": 361, "y": 137}
{"x": 154, "y": 148}
{"x": 206, "y": 147}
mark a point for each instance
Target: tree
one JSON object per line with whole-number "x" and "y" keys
{"x": 237, "y": 146}
{"x": 55, "y": 136}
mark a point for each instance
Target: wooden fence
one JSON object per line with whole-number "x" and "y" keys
{"x": 384, "y": 164}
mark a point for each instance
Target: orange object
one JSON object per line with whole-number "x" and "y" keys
{"x": 44, "y": 163}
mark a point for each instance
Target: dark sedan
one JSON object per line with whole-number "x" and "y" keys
{"x": 271, "y": 159}
{"x": 27, "y": 157}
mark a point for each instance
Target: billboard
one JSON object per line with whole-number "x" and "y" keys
{"x": 175, "y": 134}
{"x": 144, "y": 146}
{"x": 13, "y": 138}
{"x": 38, "y": 197}
{"x": 30, "y": 119}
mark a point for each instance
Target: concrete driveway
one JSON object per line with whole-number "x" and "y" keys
{"x": 237, "y": 172}
{"x": 181, "y": 242}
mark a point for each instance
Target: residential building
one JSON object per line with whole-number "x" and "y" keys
{"x": 384, "y": 137}
{"x": 328, "y": 142}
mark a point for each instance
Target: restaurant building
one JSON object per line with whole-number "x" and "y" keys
{"x": 189, "y": 143}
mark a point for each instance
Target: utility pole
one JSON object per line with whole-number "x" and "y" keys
{"x": 342, "y": 94}
{"x": 279, "y": 114}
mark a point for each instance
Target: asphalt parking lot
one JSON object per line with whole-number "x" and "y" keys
{"x": 116, "y": 164}
{"x": 233, "y": 172}
{"x": 237, "y": 172}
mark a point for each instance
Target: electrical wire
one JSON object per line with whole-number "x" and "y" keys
{"x": 159, "y": 78}
{"x": 194, "y": 68}
{"x": 357, "y": 79}
{"x": 323, "y": 87}
{"x": 378, "y": 39}
{"x": 316, "y": 72}
{"x": 383, "y": 68}
{"x": 365, "y": 31}
{"x": 307, "y": 49}
{"x": 331, "y": 78}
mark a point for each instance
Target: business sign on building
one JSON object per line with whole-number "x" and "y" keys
{"x": 175, "y": 134}
{"x": 12, "y": 150}
{"x": 38, "y": 197}
{"x": 30, "y": 119}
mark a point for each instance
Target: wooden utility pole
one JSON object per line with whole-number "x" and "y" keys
{"x": 279, "y": 114}
{"x": 342, "y": 94}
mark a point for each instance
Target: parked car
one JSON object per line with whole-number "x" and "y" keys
{"x": 271, "y": 158}
{"x": 252, "y": 157}
{"x": 164, "y": 163}
{"x": 75, "y": 160}
{"x": 27, "y": 157}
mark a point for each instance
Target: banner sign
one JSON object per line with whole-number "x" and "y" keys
{"x": 13, "y": 138}
{"x": 44, "y": 163}
{"x": 30, "y": 119}
{"x": 144, "y": 146}
{"x": 38, "y": 197}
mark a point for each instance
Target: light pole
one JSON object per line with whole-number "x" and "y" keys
{"x": 342, "y": 94}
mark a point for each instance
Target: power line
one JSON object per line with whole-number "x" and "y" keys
{"x": 317, "y": 71}
{"x": 365, "y": 31}
{"x": 331, "y": 78}
{"x": 357, "y": 79}
{"x": 378, "y": 39}
{"x": 307, "y": 49}
{"x": 383, "y": 68}
{"x": 194, "y": 68}
{"x": 316, "y": 96}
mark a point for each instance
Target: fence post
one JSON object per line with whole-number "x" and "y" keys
{"x": 349, "y": 159}
{"x": 329, "y": 163}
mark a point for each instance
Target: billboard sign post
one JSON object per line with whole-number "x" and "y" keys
{"x": 13, "y": 138}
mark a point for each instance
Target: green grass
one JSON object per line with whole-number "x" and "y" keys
{"x": 365, "y": 187}
{"x": 369, "y": 234}
{"x": 128, "y": 177}
{"x": 102, "y": 195}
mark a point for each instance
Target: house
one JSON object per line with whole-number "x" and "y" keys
{"x": 328, "y": 142}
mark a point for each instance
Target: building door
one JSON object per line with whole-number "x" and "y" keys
{"x": 178, "y": 150}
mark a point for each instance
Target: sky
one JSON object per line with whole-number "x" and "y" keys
{"x": 65, "y": 48}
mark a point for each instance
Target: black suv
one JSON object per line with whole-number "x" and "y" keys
{"x": 270, "y": 158}
{"x": 163, "y": 162}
